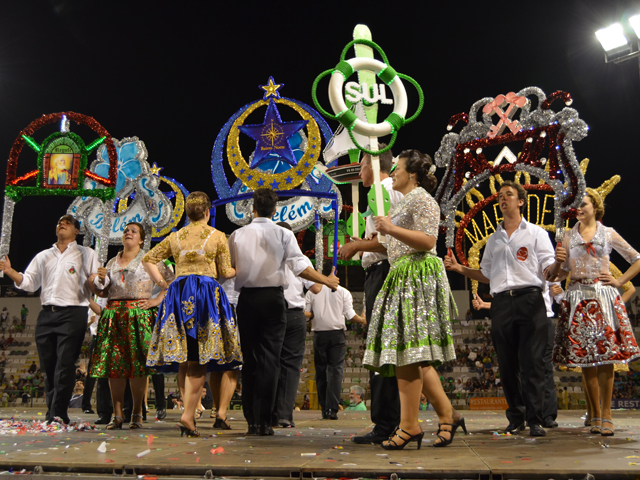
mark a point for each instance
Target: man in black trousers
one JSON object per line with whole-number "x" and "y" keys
{"x": 385, "y": 400}
{"x": 61, "y": 272}
{"x": 260, "y": 253}
{"x": 293, "y": 347}
{"x": 514, "y": 263}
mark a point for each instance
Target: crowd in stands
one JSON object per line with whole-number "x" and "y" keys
{"x": 627, "y": 386}
{"x": 29, "y": 384}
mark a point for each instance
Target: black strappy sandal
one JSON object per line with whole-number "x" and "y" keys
{"x": 393, "y": 445}
{"x": 443, "y": 441}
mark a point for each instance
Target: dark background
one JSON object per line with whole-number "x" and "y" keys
{"x": 172, "y": 73}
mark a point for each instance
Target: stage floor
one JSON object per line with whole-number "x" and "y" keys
{"x": 321, "y": 448}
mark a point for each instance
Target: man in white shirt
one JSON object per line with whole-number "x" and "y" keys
{"x": 385, "y": 400}
{"x": 514, "y": 263}
{"x": 260, "y": 253}
{"x": 292, "y": 348}
{"x": 328, "y": 310}
{"x": 61, "y": 272}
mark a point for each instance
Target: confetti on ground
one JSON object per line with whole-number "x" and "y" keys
{"x": 103, "y": 447}
{"x": 142, "y": 454}
{"x": 19, "y": 427}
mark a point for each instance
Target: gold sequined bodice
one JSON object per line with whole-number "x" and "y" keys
{"x": 197, "y": 249}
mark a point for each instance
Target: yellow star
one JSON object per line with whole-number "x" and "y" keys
{"x": 271, "y": 89}
{"x": 155, "y": 169}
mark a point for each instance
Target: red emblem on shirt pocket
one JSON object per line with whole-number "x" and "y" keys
{"x": 522, "y": 254}
{"x": 72, "y": 270}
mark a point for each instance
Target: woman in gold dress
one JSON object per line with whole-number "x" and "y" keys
{"x": 196, "y": 330}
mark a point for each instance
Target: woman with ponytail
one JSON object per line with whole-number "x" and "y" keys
{"x": 410, "y": 330}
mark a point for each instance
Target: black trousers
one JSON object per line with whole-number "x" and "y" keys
{"x": 262, "y": 324}
{"x": 385, "y": 399}
{"x": 550, "y": 409}
{"x": 520, "y": 332}
{"x": 329, "y": 349}
{"x": 104, "y": 407}
{"x": 89, "y": 381}
{"x": 59, "y": 337}
{"x": 290, "y": 363}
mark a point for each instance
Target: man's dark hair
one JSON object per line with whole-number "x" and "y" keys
{"x": 386, "y": 159}
{"x": 265, "y": 201}
{"x": 285, "y": 225}
{"x": 71, "y": 219}
{"x": 522, "y": 193}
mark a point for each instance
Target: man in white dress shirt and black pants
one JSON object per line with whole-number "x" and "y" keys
{"x": 514, "y": 263}
{"x": 62, "y": 272}
{"x": 385, "y": 399}
{"x": 260, "y": 252}
{"x": 328, "y": 310}
{"x": 292, "y": 347}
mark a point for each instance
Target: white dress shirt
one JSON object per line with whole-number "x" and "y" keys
{"x": 260, "y": 253}
{"x": 62, "y": 276}
{"x": 369, "y": 258}
{"x": 294, "y": 294}
{"x": 519, "y": 261}
{"x": 330, "y": 309}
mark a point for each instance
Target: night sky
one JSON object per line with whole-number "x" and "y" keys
{"x": 172, "y": 73}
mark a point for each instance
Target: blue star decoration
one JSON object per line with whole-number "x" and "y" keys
{"x": 271, "y": 89}
{"x": 273, "y": 137}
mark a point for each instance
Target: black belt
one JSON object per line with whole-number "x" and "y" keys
{"x": 56, "y": 308}
{"x": 518, "y": 291}
{"x": 377, "y": 264}
{"x": 295, "y": 309}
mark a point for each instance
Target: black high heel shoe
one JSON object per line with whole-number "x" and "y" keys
{"x": 184, "y": 430}
{"x": 454, "y": 426}
{"x": 405, "y": 441}
{"x": 460, "y": 423}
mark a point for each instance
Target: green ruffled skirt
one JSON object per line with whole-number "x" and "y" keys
{"x": 410, "y": 321}
{"x": 122, "y": 340}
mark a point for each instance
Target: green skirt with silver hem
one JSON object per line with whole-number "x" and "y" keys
{"x": 410, "y": 321}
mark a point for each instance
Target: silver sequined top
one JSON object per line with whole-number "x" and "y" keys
{"x": 416, "y": 211}
{"x": 590, "y": 259}
{"x": 132, "y": 281}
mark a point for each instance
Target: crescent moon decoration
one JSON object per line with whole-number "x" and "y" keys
{"x": 61, "y": 169}
{"x": 178, "y": 194}
{"x": 285, "y": 159}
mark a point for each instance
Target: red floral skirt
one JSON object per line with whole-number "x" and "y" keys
{"x": 593, "y": 328}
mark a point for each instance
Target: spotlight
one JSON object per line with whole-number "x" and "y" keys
{"x": 615, "y": 43}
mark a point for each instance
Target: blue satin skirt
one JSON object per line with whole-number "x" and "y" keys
{"x": 195, "y": 315}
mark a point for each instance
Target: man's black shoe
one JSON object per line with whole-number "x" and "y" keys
{"x": 331, "y": 415}
{"x": 103, "y": 420}
{"x": 161, "y": 414}
{"x": 264, "y": 430}
{"x": 60, "y": 420}
{"x": 514, "y": 428}
{"x": 286, "y": 423}
{"x": 369, "y": 438}
{"x": 252, "y": 430}
{"x": 549, "y": 423}
{"x": 536, "y": 431}
{"x": 88, "y": 410}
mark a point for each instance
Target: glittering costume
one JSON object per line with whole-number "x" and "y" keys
{"x": 410, "y": 321}
{"x": 593, "y": 328}
{"x": 124, "y": 329}
{"x": 196, "y": 321}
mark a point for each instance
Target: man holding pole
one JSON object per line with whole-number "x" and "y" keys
{"x": 385, "y": 402}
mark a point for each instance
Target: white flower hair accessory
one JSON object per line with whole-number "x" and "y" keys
{"x": 432, "y": 169}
